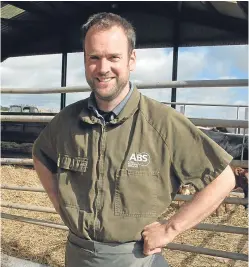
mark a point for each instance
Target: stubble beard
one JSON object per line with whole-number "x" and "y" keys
{"x": 114, "y": 92}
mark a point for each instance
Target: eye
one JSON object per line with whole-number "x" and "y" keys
{"x": 115, "y": 58}
{"x": 94, "y": 57}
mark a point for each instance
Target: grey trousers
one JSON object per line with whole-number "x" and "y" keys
{"x": 86, "y": 253}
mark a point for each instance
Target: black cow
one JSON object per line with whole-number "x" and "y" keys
{"x": 232, "y": 143}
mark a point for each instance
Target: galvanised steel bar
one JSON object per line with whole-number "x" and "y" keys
{"x": 29, "y": 162}
{"x": 17, "y": 161}
{"x": 27, "y": 207}
{"x": 170, "y": 84}
{"x": 22, "y": 188}
{"x": 201, "y": 226}
{"x": 222, "y": 228}
{"x": 206, "y": 104}
{"x": 208, "y": 251}
{"x": 219, "y": 123}
{"x": 178, "y": 197}
{"x": 240, "y": 163}
{"x": 173, "y": 246}
{"x": 197, "y": 121}
{"x": 63, "y": 79}
{"x": 28, "y": 118}
{"x": 33, "y": 221}
{"x": 228, "y": 200}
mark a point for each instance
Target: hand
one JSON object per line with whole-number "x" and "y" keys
{"x": 156, "y": 236}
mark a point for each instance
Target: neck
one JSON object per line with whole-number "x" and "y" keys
{"x": 106, "y": 105}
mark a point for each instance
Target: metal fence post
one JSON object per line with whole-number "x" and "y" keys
{"x": 175, "y": 51}
{"x": 244, "y": 134}
{"x": 182, "y": 109}
{"x": 237, "y": 130}
{"x": 63, "y": 79}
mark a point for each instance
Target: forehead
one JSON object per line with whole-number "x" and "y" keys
{"x": 109, "y": 40}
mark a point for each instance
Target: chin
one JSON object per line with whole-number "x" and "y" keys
{"x": 104, "y": 95}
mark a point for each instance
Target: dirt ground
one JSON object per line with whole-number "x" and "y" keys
{"x": 47, "y": 245}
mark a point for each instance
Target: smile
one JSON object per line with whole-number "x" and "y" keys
{"x": 104, "y": 80}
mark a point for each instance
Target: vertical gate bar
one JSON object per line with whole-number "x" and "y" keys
{"x": 175, "y": 51}
{"x": 63, "y": 79}
{"x": 174, "y": 74}
{"x": 237, "y": 130}
{"x": 244, "y": 135}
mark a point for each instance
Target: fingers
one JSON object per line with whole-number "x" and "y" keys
{"x": 153, "y": 236}
{"x": 146, "y": 247}
{"x": 149, "y": 248}
{"x": 152, "y": 251}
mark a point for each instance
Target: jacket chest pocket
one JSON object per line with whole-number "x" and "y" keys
{"x": 136, "y": 193}
{"x": 73, "y": 182}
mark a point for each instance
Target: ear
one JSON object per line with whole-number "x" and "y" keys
{"x": 132, "y": 61}
{"x": 84, "y": 57}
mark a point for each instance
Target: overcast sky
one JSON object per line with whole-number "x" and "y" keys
{"x": 153, "y": 65}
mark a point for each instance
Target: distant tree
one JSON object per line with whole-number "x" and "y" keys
{"x": 4, "y": 108}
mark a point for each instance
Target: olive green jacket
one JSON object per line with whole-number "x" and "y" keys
{"x": 116, "y": 178}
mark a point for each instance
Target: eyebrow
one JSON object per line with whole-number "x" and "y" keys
{"x": 111, "y": 54}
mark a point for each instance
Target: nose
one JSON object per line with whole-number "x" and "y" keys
{"x": 103, "y": 66}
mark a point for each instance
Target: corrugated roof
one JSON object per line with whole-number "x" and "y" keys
{"x": 45, "y": 27}
{"x": 9, "y": 11}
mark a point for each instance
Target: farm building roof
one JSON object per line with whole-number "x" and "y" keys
{"x": 48, "y": 27}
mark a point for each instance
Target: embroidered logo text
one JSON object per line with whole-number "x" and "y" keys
{"x": 139, "y": 159}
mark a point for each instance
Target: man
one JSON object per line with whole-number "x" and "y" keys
{"x": 112, "y": 163}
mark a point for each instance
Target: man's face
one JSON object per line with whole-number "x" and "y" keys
{"x": 108, "y": 62}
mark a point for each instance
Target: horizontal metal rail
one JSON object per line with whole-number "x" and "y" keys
{"x": 22, "y": 188}
{"x": 27, "y": 207}
{"x": 224, "y": 134}
{"x": 197, "y": 121}
{"x": 219, "y": 123}
{"x": 204, "y": 104}
{"x": 208, "y": 251}
{"x": 28, "y": 118}
{"x": 157, "y": 85}
{"x": 227, "y": 200}
{"x": 201, "y": 226}
{"x": 172, "y": 246}
{"x": 240, "y": 163}
{"x": 196, "y": 104}
{"x": 178, "y": 197}
{"x": 17, "y": 161}
{"x": 29, "y": 162}
{"x": 222, "y": 228}
{"x": 33, "y": 221}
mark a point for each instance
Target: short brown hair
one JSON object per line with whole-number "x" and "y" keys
{"x": 105, "y": 21}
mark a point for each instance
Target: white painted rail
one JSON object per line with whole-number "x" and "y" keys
{"x": 157, "y": 85}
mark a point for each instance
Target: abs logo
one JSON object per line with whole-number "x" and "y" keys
{"x": 139, "y": 159}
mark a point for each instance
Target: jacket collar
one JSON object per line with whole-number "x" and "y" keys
{"x": 129, "y": 109}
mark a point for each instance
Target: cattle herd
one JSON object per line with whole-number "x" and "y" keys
{"x": 241, "y": 177}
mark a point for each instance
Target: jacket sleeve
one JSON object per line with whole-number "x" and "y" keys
{"x": 44, "y": 148}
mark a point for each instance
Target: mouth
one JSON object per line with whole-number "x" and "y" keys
{"x": 104, "y": 80}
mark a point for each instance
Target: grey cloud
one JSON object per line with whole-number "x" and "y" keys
{"x": 153, "y": 65}
{"x": 37, "y": 71}
{"x": 34, "y": 62}
{"x": 236, "y": 56}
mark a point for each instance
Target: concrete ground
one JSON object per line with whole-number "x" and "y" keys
{"x": 8, "y": 261}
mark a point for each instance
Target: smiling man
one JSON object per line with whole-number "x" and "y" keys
{"x": 108, "y": 63}
{"x": 112, "y": 163}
